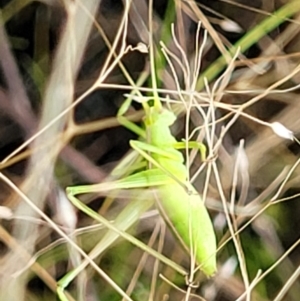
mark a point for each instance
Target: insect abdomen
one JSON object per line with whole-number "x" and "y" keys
{"x": 188, "y": 218}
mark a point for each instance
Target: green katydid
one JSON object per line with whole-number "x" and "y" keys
{"x": 179, "y": 203}
{"x": 177, "y": 200}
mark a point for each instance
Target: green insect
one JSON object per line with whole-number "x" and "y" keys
{"x": 166, "y": 174}
{"x": 177, "y": 200}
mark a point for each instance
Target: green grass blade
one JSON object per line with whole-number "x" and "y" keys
{"x": 249, "y": 39}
